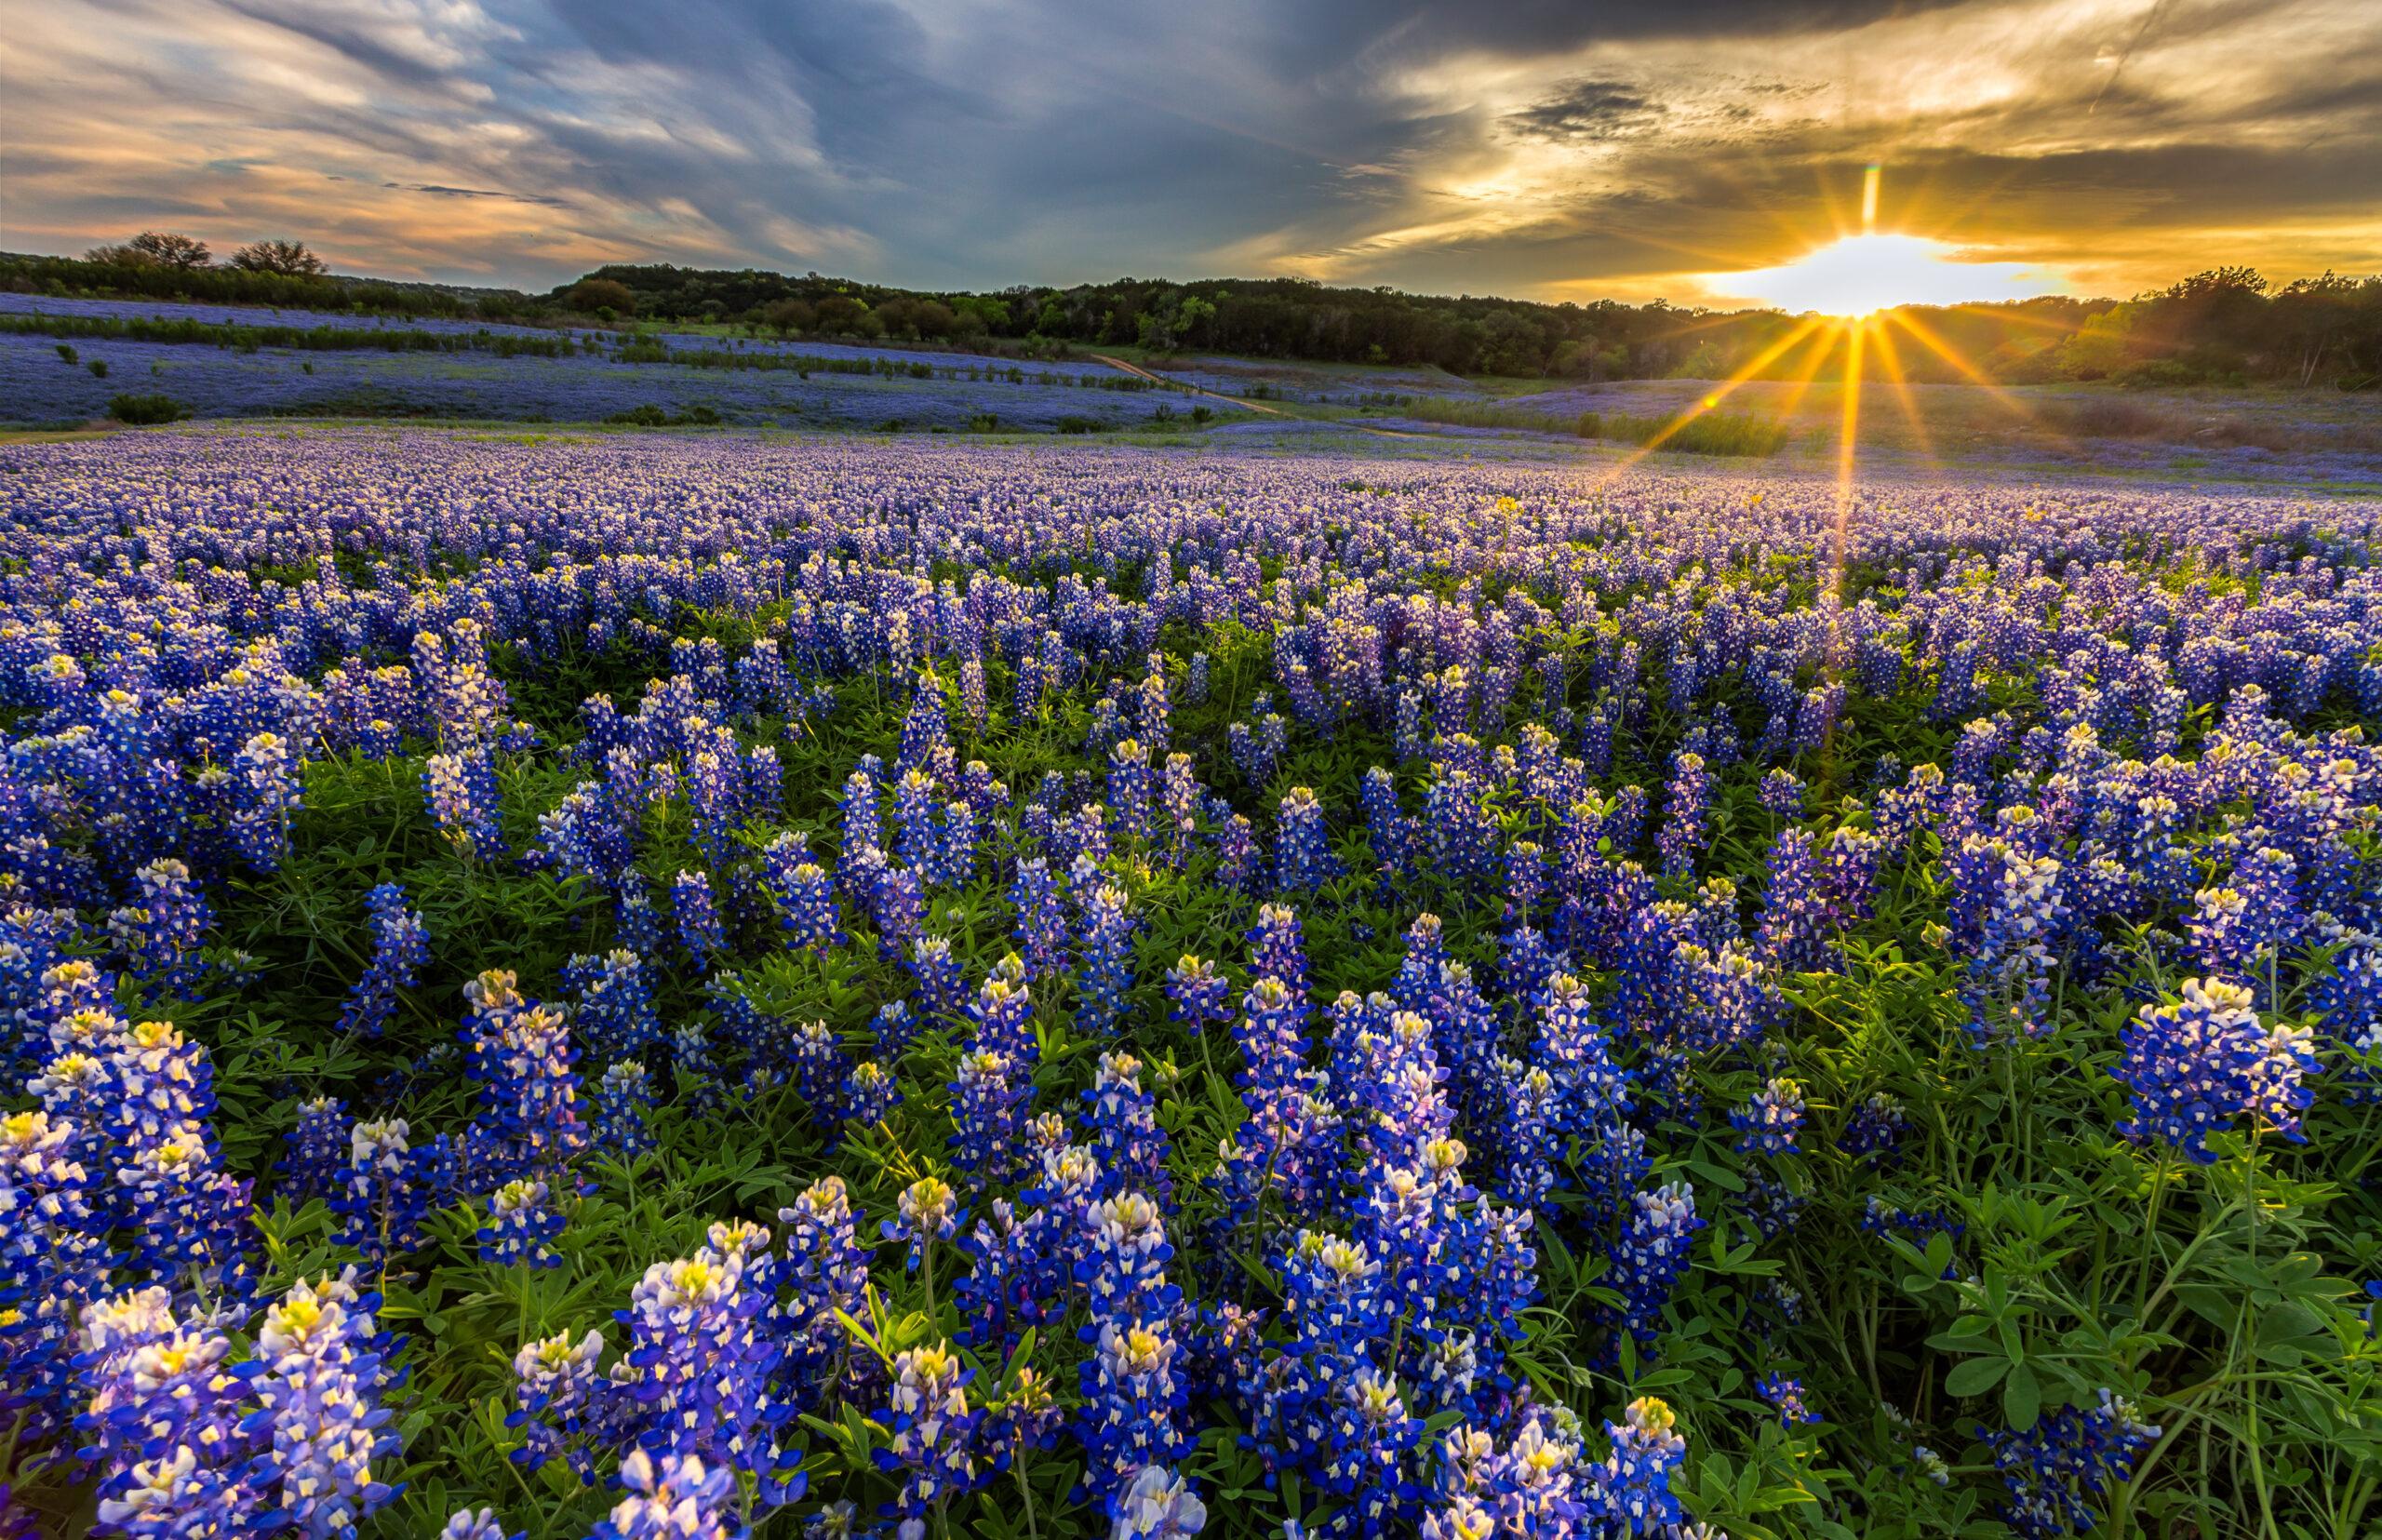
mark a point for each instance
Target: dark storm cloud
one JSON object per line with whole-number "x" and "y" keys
{"x": 1496, "y": 143}
{"x": 1587, "y": 109}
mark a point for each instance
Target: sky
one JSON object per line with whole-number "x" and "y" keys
{"x": 1548, "y": 149}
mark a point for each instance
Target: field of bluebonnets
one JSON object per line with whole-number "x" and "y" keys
{"x": 67, "y": 361}
{"x": 672, "y": 985}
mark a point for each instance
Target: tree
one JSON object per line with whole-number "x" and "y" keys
{"x": 592, "y": 296}
{"x": 787, "y": 316}
{"x": 156, "y": 248}
{"x": 2104, "y": 344}
{"x": 290, "y": 259}
{"x": 844, "y": 316}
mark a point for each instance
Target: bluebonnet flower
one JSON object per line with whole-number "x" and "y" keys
{"x": 1133, "y": 1398}
{"x": 1041, "y": 930}
{"x": 863, "y": 817}
{"x": 988, "y": 1104}
{"x": 1320, "y": 1404}
{"x": 1649, "y": 1259}
{"x": 164, "y": 1419}
{"x": 615, "y": 1015}
{"x": 468, "y": 1524}
{"x": 699, "y": 929}
{"x": 400, "y": 948}
{"x": 935, "y": 1439}
{"x": 522, "y": 1221}
{"x": 1125, "y": 1135}
{"x": 1302, "y": 858}
{"x": 929, "y": 1211}
{"x": 1002, "y": 1015}
{"x": 264, "y": 792}
{"x": 673, "y": 1499}
{"x": 696, "y": 1072}
{"x": 1278, "y": 949}
{"x": 942, "y": 991}
{"x": 318, "y": 1383}
{"x": 317, "y": 1147}
{"x": 1108, "y": 960}
{"x": 461, "y": 789}
{"x": 2056, "y": 1471}
{"x": 807, "y": 908}
{"x": 521, "y": 1054}
{"x": 828, "y": 1272}
{"x": 1633, "y": 1486}
{"x": 1686, "y": 811}
{"x": 913, "y": 818}
{"x": 2196, "y": 1063}
{"x": 640, "y": 928}
{"x": 2008, "y": 909}
{"x": 1129, "y": 787}
{"x": 2239, "y": 928}
{"x": 1159, "y": 1504}
{"x": 1768, "y": 1123}
{"x": 699, "y": 1369}
{"x": 1575, "y": 1048}
{"x": 1527, "y": 1140}
{"x": 869, "y": 1095}
{"x": 925, "y": 728}
{"x": 1787, "y": 1397}
{"x": 160, "y": 936}
{"x": 1875, "y": 1128}
{"x": 951, "y": 859}
{"x": 894, "y": 1029}
{"x": 1386, "y": 828}
{"x": 558, "y": 1400}
{"x": 1238, "y": 862}
{"x": 388, "y": 1190}
{"x": 1201, "y": 996}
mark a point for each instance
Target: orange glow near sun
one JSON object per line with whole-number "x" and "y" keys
{"x": 1859, "y": 275}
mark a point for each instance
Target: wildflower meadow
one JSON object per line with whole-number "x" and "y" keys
{"x": 647, "y": 985}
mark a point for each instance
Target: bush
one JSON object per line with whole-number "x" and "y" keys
{"x": 651, "y": 416}
{"x": 66, "y": 351}
{"x": 1072, "y": 424}
{"x": 99, "y": 368}
{"x": 143, "y": 410}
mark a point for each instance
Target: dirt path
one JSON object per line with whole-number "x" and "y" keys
{"x": 1247, "y": 405}
{"x": 1194, "y": 389}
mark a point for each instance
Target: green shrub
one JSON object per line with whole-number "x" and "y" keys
{"x": 143, "y": 411}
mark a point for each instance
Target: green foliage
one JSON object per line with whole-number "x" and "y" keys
{"x": 143, "y": 411}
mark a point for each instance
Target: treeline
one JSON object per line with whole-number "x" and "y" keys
{"x": 82, "y": 276}
{"x": 2225, "y": 325}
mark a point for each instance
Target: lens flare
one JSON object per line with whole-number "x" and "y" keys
{"x": 1862, "y": 274}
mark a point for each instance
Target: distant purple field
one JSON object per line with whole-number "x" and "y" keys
{"x": 173, "y": 310}
{"x": 37, "y": 384}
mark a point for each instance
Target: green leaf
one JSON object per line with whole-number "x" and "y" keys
{"x": 1976, "y": 1376}
{"x": 2022, "y": 1398}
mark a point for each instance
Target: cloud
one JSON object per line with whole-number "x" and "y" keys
{"x": 1531, "y": 146}
{"x": 1588, "y": 109}
{"x": 438, "y": 192}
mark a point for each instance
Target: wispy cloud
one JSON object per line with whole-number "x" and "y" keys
{"x": 1535, "y": 146}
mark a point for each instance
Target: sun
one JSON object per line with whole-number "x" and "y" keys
{"x": 1859, "y": 275}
